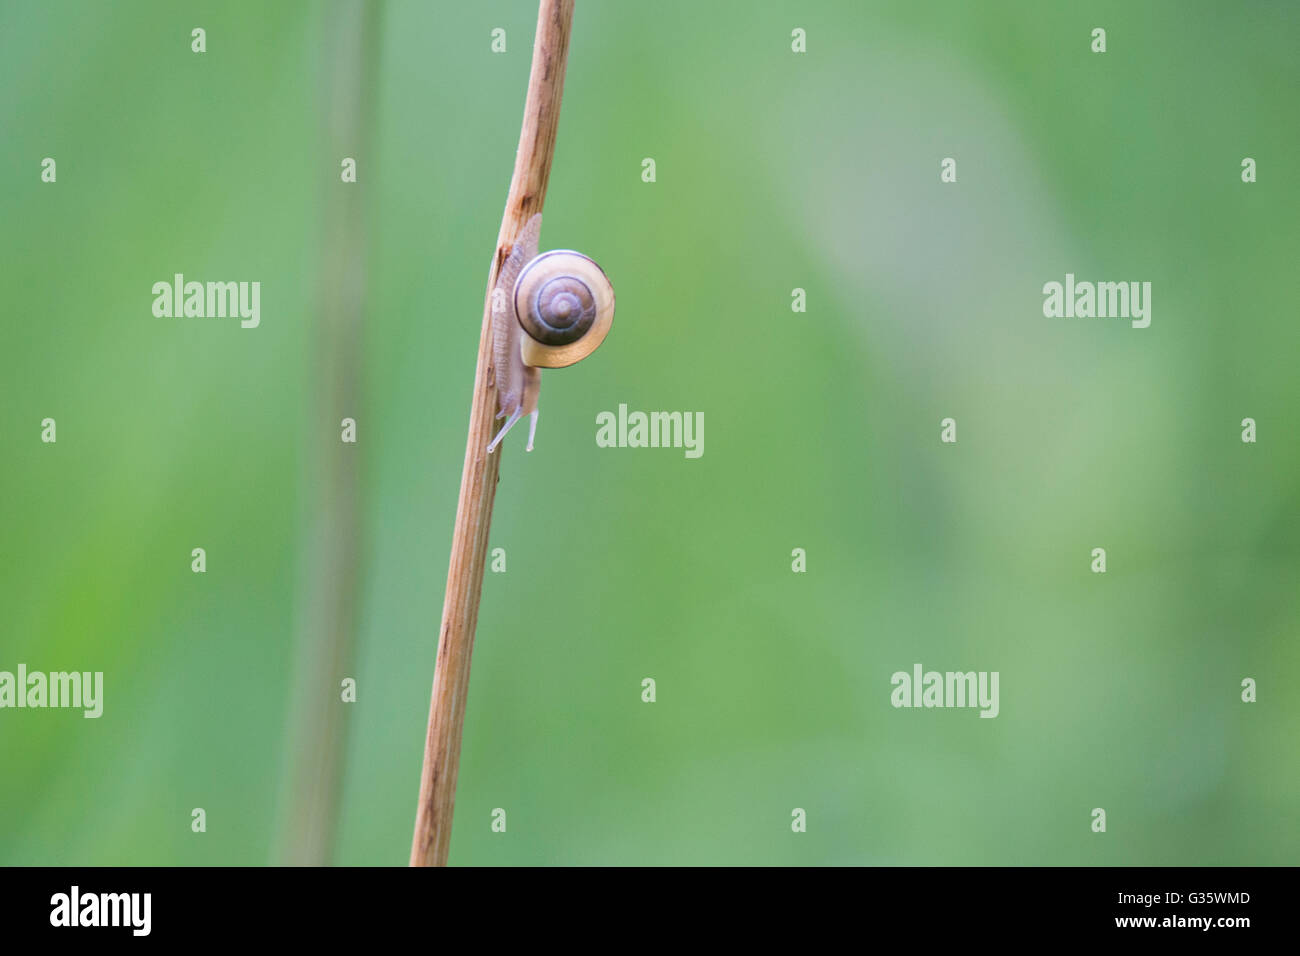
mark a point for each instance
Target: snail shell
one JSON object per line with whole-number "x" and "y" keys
{"x": 565, "y": 304}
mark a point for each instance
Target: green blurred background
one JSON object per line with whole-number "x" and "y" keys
{"x": 775, "y": 171}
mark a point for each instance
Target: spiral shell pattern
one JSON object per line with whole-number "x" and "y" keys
{"x": 560, "y": 295}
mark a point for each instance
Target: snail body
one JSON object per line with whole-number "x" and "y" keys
{"x": 548, "y": 311}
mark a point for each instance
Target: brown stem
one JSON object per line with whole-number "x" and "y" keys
{"x": 479, "y": 479}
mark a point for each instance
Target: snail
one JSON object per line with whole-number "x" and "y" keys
{"x": 548, "y": 311}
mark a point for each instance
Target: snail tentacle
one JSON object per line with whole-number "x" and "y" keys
{"x": 510, "y": 423}
{"x": 532, "y": 428}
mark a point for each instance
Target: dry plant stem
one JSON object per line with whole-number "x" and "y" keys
{"x": 479, "y": 479}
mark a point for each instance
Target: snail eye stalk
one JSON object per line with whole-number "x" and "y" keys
{"x": 510, "y": 423}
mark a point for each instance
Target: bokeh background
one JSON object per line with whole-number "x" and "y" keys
{"x": 775, "y": 171}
